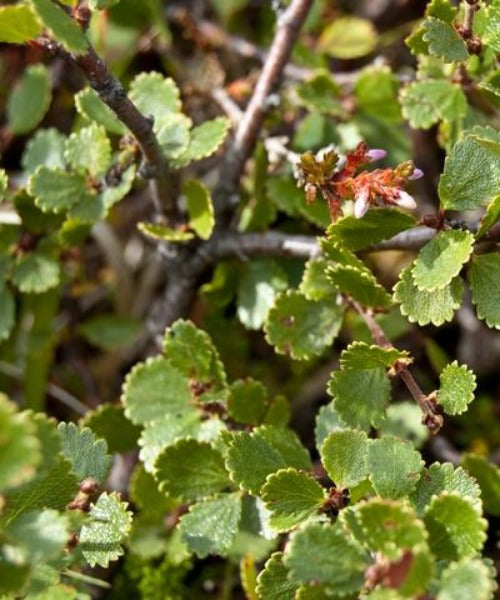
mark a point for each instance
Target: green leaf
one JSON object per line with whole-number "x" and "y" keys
{"x": 394, "y": 467}
{"x": 471, "y": 175}
{"x": 441, "y": 259}
{"x": 302, "y": 328}
{"x": 344, "y": 455}
{"x": 424, "y": 307}
{"x": 56, "y": 190}
{"x": 192, "y": 351}
{"x": 190, "y": 470}
{"x": 315, "y": 285}
{"x": 384, "y": 526}
{"x": 377, "y": 225}
{"x": 211, "y": 526}
{"x": 45, "y": 148}
{"x": 327, "y": 420}
{"x": 487, "y": 476}
{"x": 468, "y": 578}
{"x": 348, "y": 37}
{"x": 360, "y": 355}
{"x": 247, "y": 402}
{"x": 376, "y": 92}
{"x": 110, "y": 332}
{"x": 61, "y": 26}
{"x": 443, "y": 41}
{"x": 164, "y": 233}
{"x": 429, "y": 101}
{"x": 443, "y": 477}
{"x": 336, "y": 559}
{"x": 90, "y": 106}
{"x": 107, "y": 527}
{"x": 102, "y": 4}
{"x": 291, "y": 497}
{"x": 360, "y": 396}
{"x": 19, "y": 448}
{"x": 200, "y": 208}
{"x": 89, "y": 149}
{"x": 456, "y": 529}
{"x": 155, "y": 95}
{"x": 42, "y": 533}
{"x": 29, "y": 100}
{"x": 258, "y": 287}
{"x": 172, "y": 131}
{"x": 278, "y": 412}
{"x": 18, "y": 24}
{"x": 273, "y": 582}
{"x": 251, "y": 457}
{"x": 205, "y": 140}
{"x": 8, "y": 314}
{"x": 360, "y": 285}
{"x": 153, "y": 389}
{"x": 456, "y": 391}
{"x": 36, "y": 272}
{"x": 4, "y": 183}
{"x": 108, "y": 422}
{"x": 320, "y": 93}
{"x": 87, "y": 453}
{"x": 484, "y": 280}
{"x": 491, "y": 34}
{"x": 145, "y": 494}
{"x": 489, "y": 219}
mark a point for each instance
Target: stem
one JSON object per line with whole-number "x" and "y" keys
{"x": 86, "y": 579}
{"x": 427, "y": 404}
{"x": 470, "y": 11}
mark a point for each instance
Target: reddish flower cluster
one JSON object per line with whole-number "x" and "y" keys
{"x": 350, "y": 182}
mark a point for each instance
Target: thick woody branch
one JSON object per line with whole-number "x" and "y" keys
{"x": 113, "y": 94}
{"x": 240, "y": 149}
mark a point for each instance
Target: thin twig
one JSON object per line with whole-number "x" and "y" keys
{"x": 228, "y": 105}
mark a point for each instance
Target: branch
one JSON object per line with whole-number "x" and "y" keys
{"x": 113, "y": 94}
{"x": 240, "y": 149}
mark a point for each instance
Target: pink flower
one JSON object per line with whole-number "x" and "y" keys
{"x": 417, "y": 174}
{"x": 376, "y": 154}
{"x": 361, "y": 203}
{"x": 405, "y": 200}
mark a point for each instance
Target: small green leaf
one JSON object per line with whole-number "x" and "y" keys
{"x": 19, "y": 448}
{"x": 200, "y": 208}
{"x": 211, "y": 526}
{"x": 456, "y": 391}
{"x": 164, "y": 233}
{"x": 489, "y": 219}
{"x": 90, "y": 106}
{"x": 251, "y": 457}
{"x": 109, "y": 422}
{"x": 487, "y": 476}
{"x": 247, "y": 402}
{"x": 320, "y": 93}
{"x": 384, "y": 526}
{"x": 377, "y": 225}
{"x": 360, "y": 355}
{"x": 291, "y": 497}
{"x": 344, "y": 455}
{"x": 443, "y": 477}
{"x": 8, "y": 314}
{"x": 29, "y": 100}
{"x": 471, "y": 175}
{"x": 424, "y": 307}
{"x": 484, "y": 280}
{"x": 191, "y": 470}
{"x": 335, "y": 558}
{"x": 456, "y": 529}
{"x": 205, "y": 140}
{"x": 441, "y": 259}
{"x": 360, "y": 285}
{"x": 491, "y": 34}
{"x": 110, "y": 332}
{"x": 273, "y": 582}
{"x": 315, "y": 285}
{"x": 45, "y": 148}
{"x": 302, "y": 328}
{"x": 87, "y": 453}
{"x": 56, "y": 190}
{"x": 258, "y": 287}
{"x": 153, "y": 389}
{"x": 443, "y": 41}
{"x": 429, "y": 101}
{"x": 376, "y": 92}
{"x": 466, "y": 579}
{"x": 155, "y": 95}
{"x": 394, "y": 467}
{"x": 89, "y": 149}
{"x": 61, "y": 26}
{"x": 327, "y": 420}
{"x": 173, "y": 133}
{"x": 4, "y": 183}
{"x": 18, "y": 24}
{"x": 348, "y": 37}
{"x": 107, "y": 527}
{"x": 36, "y": 272}
{"x": 360, "y": 396}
